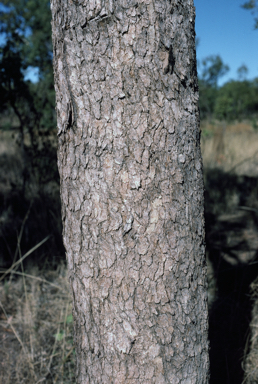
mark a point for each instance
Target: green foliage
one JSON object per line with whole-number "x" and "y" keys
{"x": 207, "y": 99}
{"x": 69, "y": 319}
{"x": 30, "y": 20}
{"x": 237, "y": 100}
{"x": 242, "y": 72}
{"x": 26, "y": 34}
{"x": 60, "y": 335}
{"x": 210, "y": 70}
{"x": 25, "y": 27}
{"x": 254, "y": 123}
{"x": 253, "y": 6}
{"x": 207, "y": 133}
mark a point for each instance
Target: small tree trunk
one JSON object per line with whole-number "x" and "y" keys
{"x": 132, "y": 189}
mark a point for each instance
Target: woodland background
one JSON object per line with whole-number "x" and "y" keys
{"x": 35, "y": 305}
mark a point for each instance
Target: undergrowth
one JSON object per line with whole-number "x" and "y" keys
{"x": 36, "y": 328}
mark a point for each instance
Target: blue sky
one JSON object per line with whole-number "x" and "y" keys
{"x": 226, "y": 29}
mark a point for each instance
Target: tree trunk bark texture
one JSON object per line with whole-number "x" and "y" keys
{"x": 132, "y": 189}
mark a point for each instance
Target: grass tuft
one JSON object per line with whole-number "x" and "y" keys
{"x": 36, "y": 329}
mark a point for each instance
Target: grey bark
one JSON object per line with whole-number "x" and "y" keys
{"x": 132, "y": 188}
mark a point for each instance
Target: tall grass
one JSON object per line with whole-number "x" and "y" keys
{"x": 36, "y": 329}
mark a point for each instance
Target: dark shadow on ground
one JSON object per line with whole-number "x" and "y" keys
{"x": 232, "y": 244}
{"x": 30, "y": 206}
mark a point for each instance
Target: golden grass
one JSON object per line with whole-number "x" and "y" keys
{"x": 232, "y": 148}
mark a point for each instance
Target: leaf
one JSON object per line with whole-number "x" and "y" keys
{"x": 59, "y": 336}
{"x": 69, "y": 319}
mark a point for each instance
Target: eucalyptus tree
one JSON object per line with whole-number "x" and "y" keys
{"x": 132, "y": 188}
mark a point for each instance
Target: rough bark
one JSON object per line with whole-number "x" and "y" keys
{"x": 132, "y": 188}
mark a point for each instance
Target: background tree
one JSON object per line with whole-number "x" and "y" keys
{"x": 26, "y": 46}
{"x": 24, "y": 25}
{"x": 234, "y": 100}
{"x": 27, "y": 111}
{"x": 242, "y": 72}
{"x": 210, "y": 70}
{"x": 253, "y": 6}
{"x": 131, "y": 188}
{"x": 237, "y": 100}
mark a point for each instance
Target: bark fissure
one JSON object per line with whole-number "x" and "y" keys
{"x": 131, "y": 188}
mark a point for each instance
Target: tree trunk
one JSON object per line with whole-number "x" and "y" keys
{"x": 132, "y": 189}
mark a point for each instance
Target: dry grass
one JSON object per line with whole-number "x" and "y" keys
{"x": 36, "y": 329}
{"x": 35, "y": 307}
{"x": 230, "y": 157}
{"x": 232, "y": 148}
